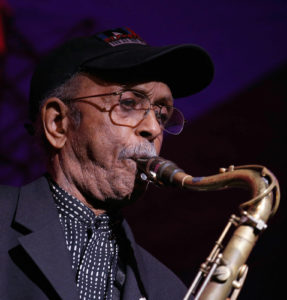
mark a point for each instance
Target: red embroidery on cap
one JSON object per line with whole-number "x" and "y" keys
{"x": 121, "y": 36}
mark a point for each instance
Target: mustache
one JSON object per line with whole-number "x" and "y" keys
{"x": 138, "y": 151}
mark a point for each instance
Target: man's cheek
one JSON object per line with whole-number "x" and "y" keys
{"x": 158, "y": 144}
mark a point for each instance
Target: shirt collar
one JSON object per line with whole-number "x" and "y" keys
{"x": 73, "y": 208}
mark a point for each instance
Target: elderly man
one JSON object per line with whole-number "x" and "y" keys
{"x": 97, "y": 104}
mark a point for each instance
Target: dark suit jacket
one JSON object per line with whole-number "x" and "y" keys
{"x": 35, "y": 263}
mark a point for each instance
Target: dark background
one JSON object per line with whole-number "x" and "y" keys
{"x": 239, "y": 119}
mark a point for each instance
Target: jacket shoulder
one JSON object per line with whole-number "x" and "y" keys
{"x": 8, "y": 202}
{"x": 8, "y": 190}
{"x": 8, "y": 199}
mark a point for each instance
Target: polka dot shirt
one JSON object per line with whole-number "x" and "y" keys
{"x": 93, "y": 248}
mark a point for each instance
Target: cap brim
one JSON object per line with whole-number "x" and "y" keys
{"x": 186, "y": 69}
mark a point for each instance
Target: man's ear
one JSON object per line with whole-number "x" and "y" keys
{"x": 55, "y": 122}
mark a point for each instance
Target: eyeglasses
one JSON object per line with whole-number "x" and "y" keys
{"x": 133, "y": 107}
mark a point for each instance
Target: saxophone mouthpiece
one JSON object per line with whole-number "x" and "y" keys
{"x": 158, "y": 170}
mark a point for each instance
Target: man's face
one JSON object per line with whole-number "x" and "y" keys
{"x": 99, "y": 155}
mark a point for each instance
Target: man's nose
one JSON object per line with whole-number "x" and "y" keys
{"x": 149, "y": 127}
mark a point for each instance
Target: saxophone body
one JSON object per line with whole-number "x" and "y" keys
{"x": 222, "y": 275}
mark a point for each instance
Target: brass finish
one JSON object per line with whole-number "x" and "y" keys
{"x": 222, "y": 275}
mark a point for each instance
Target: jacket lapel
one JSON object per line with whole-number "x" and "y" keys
{"x": 45, "y": 242}
{"x": 136, "y": 283}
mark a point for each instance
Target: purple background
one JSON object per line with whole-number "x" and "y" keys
{"x": 240, "y": 118}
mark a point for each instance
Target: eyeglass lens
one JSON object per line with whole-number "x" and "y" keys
{"x": 133, "y": 107}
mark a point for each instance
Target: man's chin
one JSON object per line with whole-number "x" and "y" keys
{"x": 132, "y": 189}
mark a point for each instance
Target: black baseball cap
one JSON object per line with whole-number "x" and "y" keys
{"x": 120, "y": 55}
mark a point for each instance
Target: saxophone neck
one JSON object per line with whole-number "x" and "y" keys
{"x": 258, "y": 179}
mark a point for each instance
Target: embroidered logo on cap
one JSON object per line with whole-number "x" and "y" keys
{"x": 121, "y": 36}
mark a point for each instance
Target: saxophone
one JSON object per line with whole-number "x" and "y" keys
{"x": 222, "y": 275}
